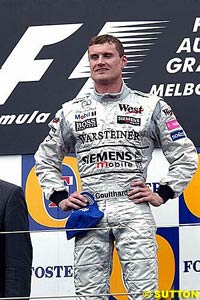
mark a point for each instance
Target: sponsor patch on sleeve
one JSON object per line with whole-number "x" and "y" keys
{"x": 168, "y": 112}
{"x": 177, "y": 135}
{"x": 173, "y": 124}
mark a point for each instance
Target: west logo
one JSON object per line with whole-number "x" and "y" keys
{"x": 130, "y": 109}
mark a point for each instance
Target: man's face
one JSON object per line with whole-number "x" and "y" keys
{"x": 105, "y": 63}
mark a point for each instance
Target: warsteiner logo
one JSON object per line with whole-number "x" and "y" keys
{"x": 109, "y": 134}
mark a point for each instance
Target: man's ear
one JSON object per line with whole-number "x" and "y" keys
{"x": 124, "y": 61}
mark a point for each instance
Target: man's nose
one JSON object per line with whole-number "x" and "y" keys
{"x": 100, "y": 60}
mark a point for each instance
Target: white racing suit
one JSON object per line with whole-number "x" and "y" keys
{"x": 113, "y": 136}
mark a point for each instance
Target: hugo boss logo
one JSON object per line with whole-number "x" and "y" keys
{"x": 89, "y": 123}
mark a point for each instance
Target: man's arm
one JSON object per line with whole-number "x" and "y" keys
{"x": 48, "y": 165}
{"x": 18, "y": 247}
{"x": 49, "y": 157}
{"x": 178, "y": 150}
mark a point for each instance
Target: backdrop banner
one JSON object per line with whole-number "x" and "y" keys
{"x": 177, "y": 235}
{"x": 43, "y": 59}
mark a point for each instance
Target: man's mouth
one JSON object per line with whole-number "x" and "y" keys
{"x": 102, "y": 70}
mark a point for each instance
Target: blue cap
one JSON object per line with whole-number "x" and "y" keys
{"x": 86, "y": 217}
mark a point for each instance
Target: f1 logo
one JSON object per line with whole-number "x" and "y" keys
{"x": 21, "y": 64}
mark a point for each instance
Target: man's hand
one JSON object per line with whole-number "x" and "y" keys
{"x": 74, "y": 201}
{"x": 140, "y": 192}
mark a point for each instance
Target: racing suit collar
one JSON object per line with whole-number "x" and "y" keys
{"x": 112, "y": 96}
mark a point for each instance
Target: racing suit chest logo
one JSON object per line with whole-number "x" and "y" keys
{"x": 130, "y": 109}
{"x": 88, "y": 123}
{"x": 128, "y": 120}
{"x": 83, "y": 115}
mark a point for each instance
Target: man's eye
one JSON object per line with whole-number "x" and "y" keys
{"x": 94, "y": 57}
{"x": 107, "y": 55}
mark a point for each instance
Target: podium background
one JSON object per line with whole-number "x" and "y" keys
{"x": 43, "y": 59}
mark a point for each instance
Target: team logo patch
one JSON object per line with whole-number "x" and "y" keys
{"x": 89, "y": 123}
{"x": 128, "y": 120}
{"x": 173, "y": 124}
{"x": 86, "y": 103}
{"x": 177, "y": 135}
{"x": 168, "y": 112}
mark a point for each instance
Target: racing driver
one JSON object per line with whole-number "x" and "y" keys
{"x": 113, "y": 132}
